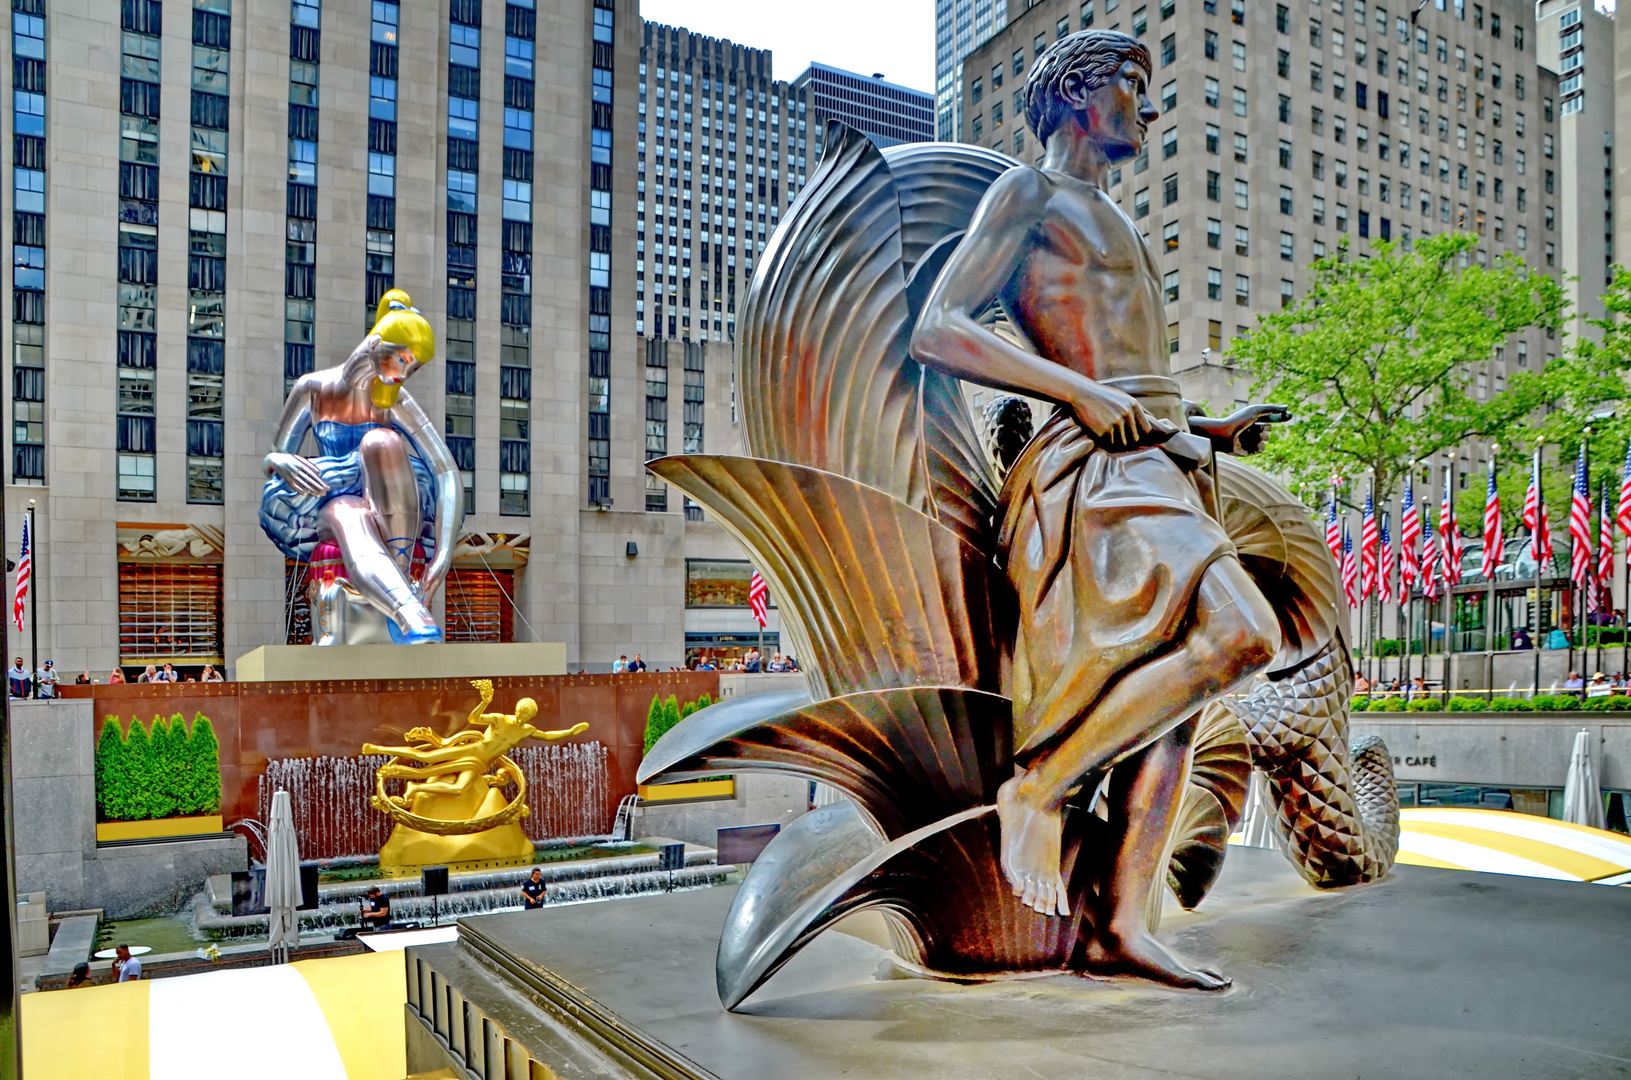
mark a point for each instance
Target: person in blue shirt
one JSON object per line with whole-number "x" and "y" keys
{"x": 17, "y": 680}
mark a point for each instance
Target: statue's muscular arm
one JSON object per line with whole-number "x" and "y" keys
{"x": 421, "y": 431}
{"x": 948, "y": 336}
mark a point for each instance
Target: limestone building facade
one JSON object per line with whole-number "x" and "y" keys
{"x": 1288, "y": 124}
{"x": 212, "y": 195}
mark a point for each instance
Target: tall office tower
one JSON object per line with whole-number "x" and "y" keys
{"x": 1285, "y": 128}
{"x": 960, "y": 27}
{"x": 886, "y": 113}
{"x": 232, "y": 191}
{"x": 1577, "y": 42}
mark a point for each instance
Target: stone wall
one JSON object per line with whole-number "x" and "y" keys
{"x": 54, "y": 808}
{"x": 1499, "y": 749}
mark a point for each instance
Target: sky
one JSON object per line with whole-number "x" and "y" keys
{"x": 894, "y": 37}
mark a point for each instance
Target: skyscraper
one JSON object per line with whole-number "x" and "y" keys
{"x": 960, "y": 27}
{"x": 886, "y": 113}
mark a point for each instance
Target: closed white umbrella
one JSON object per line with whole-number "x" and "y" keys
{"x": 282, "y": 879}
{"x": 1582, "y": 798}
{"x": 1257, "y": 820}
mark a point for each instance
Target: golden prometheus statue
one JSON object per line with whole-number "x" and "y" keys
{"x": 453, "y": 808}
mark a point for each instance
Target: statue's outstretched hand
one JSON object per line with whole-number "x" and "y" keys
{"x": 551, "y": 736}
{"x": 298, "y": 472}
{"x": 1242, "y": 431}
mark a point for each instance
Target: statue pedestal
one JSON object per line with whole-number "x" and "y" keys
{"x": 491, "y": 660}
{"x": 1429, "y": 973}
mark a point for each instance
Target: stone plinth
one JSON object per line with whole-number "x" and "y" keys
{"x": 483, "y": 660}
{"x": 1431, "y": 973}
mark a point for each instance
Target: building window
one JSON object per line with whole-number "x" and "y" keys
{"x": 1243, "y": 240}
{"x": 1214, "y": 182}
{"x": 1214, "y": 335}
{"x": 1169, "y": 236}
{"x": 1242, "y": 195}
{"x": 1169, "y": 190}
{"x": 717, "y": 583}
{"x": 1214, "y": 233}
{"x": 1288, "y": 245}
{"x": 1243, "y": 290}
{"x": 480, "y": 604}
{"x": 1169, "y": 283}
{"x": 169, "y": 611}
{"x": 1287, "y": 293}
{"x": 1214, "y": 284}
{"x": 1285, "y": 200}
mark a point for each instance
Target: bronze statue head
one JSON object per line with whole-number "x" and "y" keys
{"x": 1101, "y": 77}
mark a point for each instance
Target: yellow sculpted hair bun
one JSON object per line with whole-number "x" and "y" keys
{"x": 403, "y": 325}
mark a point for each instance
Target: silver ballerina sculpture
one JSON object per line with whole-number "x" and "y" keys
{"x": 375, "y": 512}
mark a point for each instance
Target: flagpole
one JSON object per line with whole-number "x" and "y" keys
{"x": 33, "y": 609}
{"x": 1491, "y": 623}
{"x": 1535, "y": 550}
{"x": 1597, "y": 577}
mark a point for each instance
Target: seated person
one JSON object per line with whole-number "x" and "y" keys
{"x": 1574, "y": 682}
{"x": 376, "y": 909}
{"x": 532, "y": 891}
{"x": 1520, "y": 640}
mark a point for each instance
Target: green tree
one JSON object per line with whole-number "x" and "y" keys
{"x": 138, "y": 768}
{"x": 110, "y": 758}
{"x": 203, "y": 790}
{"x": 1378, "y": 360}
{"x": 165, "y": 767}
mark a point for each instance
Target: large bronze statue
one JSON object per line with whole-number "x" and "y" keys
{"x": 375, "y": 513}
{"x": 1031, "y": 669}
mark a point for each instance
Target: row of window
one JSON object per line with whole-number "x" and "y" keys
{"x": 463, "y": 126}
{"x": 300, "y": 259}
{"x": 600, "y": 259}
{"x": 515, "y": 372}
{"x": 137, "y": 358}
{"x": 28, "y": 242}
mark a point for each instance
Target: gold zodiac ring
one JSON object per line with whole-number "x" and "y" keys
{"x": 508, "y": 772}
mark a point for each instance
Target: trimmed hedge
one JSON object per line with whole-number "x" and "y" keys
{"x": 1554, "y": 703}
{"x": 1425, "y": 705}
{"x": 168, "y": 771}
{"x": 1612, "y": 703}
{"x": 1510, "y": 704}
{"x": 1392, "y": 704}
{"x": 1466, "y": 704}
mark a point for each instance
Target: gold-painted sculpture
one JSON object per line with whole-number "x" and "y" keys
{"x": 453, "y": 808}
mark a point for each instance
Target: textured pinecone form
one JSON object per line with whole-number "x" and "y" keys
{"x": 1005, "y": 428}
{"x": 1336, "y": 806}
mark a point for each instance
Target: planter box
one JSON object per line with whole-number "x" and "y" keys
{"x": 688, "y": 789}
{"x": 109, "y": 831}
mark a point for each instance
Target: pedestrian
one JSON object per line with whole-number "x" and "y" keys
{"x": 169, "y": 673}
{"x": 707, "y": 664}
{"x": 376, "y": 909}
{"x": 116, "y": 676}
{"x": 47, "y": 679}
{"x": 128, "y": 967}
{"x": 81, "y": 975}
{"x": 532, "y": 891}
{"x": 1520, "y": 640}
{"x": 151, "y": 675}
{"x": 750, "y": 662}
{"x": 1361, "y": 684}
{"x": 620, "y": 665}
{"x": 1599, "y": 686}
{"x": 83, "y": 679}
{"x": 1574, "y": 682}
{"x": 17, "y": 681}
{"x": 637, "y": 664}
{"x": 211, "y": 675}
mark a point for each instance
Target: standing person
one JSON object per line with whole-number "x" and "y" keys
{"x": 533, "y": 890}
{"x": 637, "y": 664}
{"x": 17, "y": 679}
{"x": 116, "y": 676}
{"x": 620, "y": 665}
{"x": 211, "y": 675}
{"x": 47, "y": 679}
{"x": 128, "y": 967}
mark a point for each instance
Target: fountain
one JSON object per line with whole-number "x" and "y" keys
{"x": 568, "y": 781}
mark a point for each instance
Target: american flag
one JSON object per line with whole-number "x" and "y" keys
{"x": 1333, "y": 532}
{"x": 1349, "y": 574}
{"x": 1534, "y": 518}
{"x": 1429, "y": 560}
{"x": 1384, "y": 580}
{"x": 1605, "y": 552}
{"x": 1449, "y": 534}
{"x": 759, "y": 598}
{"x": 25, "y": 571}
{"x": 1580, "y": 526}
{"x": 1492, "y": 527}
{"x": 1409, "y": 526}
{"x": 1367, "y": 548}
{"x": 1625, "y": 494}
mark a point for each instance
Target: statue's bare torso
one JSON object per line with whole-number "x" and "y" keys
{"x": 1087, "y": 293}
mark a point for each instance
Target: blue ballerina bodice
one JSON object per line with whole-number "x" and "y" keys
{"x": 335, "y": 439}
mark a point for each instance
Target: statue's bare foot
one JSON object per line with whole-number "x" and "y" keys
{"x": 1030, "y": 850}
{"x": 1140, "y": 954}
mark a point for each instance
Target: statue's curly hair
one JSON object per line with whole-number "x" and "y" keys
{"x": 1094, "y": 55}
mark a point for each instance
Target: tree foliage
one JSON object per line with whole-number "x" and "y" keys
{"x": 663, "y": 715}
{"x": 165, "y": 771}
{"x": 1378, "y": 361}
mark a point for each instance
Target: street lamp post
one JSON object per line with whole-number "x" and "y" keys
{"x": 1535, "y": 551}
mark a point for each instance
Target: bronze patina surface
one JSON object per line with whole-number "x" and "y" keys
{"x": 1031, "y": 664}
